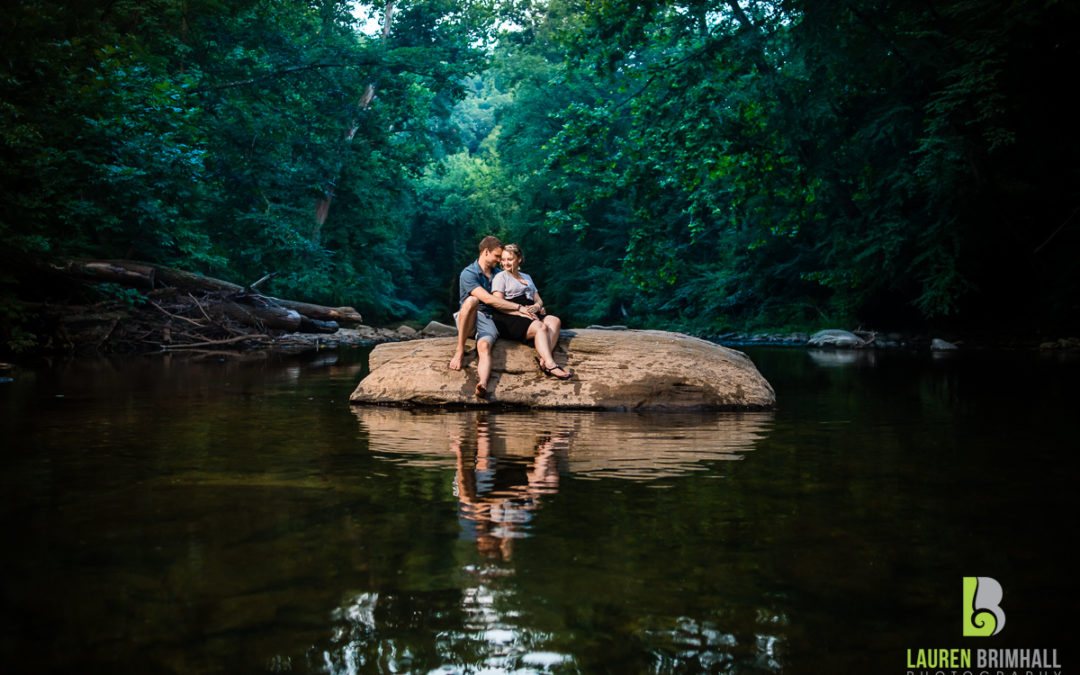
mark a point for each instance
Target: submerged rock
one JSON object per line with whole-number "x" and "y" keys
{"x": 614, "y": 370}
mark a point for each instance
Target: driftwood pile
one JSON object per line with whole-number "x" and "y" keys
{"x": 182, "y": 311}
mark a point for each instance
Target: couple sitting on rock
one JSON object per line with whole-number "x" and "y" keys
{"x": 503, "y": 304}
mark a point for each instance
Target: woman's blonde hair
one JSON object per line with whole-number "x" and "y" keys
{"x": 516, "y": 250}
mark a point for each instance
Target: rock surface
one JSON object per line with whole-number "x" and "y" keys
{"x": 939, "y": 345}
{"x": 613, "y": 369}
{"x": 836, "y": 338}
{"x": 436, "y": 329}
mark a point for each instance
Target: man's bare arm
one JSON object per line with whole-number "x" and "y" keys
{"x": 495, "y": 301}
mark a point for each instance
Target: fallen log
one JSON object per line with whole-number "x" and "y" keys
{"x": 258, "y": 316}
{"x": 344, "y": 314}
{"x": 190, "y": 281}
{"x": 126, "y": 273}
{"x": 145, "y": 275}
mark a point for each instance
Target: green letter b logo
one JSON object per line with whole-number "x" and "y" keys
{"x": 982, "y": 615}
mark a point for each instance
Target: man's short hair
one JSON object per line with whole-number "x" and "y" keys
{"x": 489, "y": 242}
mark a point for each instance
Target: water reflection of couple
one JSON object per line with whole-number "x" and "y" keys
{"x": 498, "y": 490}
{"x": 503, "y": 304}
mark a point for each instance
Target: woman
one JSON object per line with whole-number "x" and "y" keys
{"x": 530, "y": 322}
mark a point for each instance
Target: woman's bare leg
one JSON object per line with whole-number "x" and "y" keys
{"x": 538, "y": 332}
{"x": 553, "y": 324}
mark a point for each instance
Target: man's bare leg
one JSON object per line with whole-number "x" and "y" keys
{"x": 483, "y": 366}
{"x": 466, "y": 327}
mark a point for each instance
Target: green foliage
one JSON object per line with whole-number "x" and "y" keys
{"x": 129, "y": 297}
{"x": 203, "y": 135}
{"x": 14, "y": 330}
{"x": 703, "y": 165}
{"x": 739, "y": 164}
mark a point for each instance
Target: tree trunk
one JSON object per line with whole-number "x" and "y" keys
{"x": 114, "y": 271}
{"x": 322, "y": 206}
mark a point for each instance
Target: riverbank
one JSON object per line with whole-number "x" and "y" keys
{"x": 894, "y": 340}
{"x": 870, "y": 339}
{"x": 109, "y": 329}
{"x": 126, "y": 307}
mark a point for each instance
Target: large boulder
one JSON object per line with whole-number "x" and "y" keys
{"x": 612, "y": 369}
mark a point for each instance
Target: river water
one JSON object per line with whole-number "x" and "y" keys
{"x": 166, "y": 515}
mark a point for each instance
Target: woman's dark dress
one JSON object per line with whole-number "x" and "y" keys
{"x": 514, "y": 326}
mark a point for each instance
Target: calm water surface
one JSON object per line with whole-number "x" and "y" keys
{"x": 178, "y": 516}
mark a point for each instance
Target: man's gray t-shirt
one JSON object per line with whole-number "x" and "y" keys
{"x": 473, "y": 277}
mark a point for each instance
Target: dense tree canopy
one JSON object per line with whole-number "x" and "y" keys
{"x": 791, "y": 162}
{"x": 701, "y": 165}
{"x": 207, "y": 135}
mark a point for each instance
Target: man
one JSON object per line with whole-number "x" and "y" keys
{"x": 477, "y": 305}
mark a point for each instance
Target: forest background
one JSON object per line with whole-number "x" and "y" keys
{"x": 703, "y": 166}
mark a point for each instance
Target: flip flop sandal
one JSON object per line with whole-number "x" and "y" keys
{"x": 551, "y": 371}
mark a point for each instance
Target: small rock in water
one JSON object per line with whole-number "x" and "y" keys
{"x": 835, "y": 338}
{"x": 939, "y": 345}
{"x": 1063, "y": 343}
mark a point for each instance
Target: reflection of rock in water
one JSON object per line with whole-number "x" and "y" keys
{"x": 593, "y": 444}
{"x": 842, "y": 357}
{"x": 505, "y": 464}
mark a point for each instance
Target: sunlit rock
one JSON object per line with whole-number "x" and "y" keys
{"x": 939, "y": 345}
{"x": 436, "y": 329}
{"x": 612, "y": 369}
{"x": 835, "y": 338}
